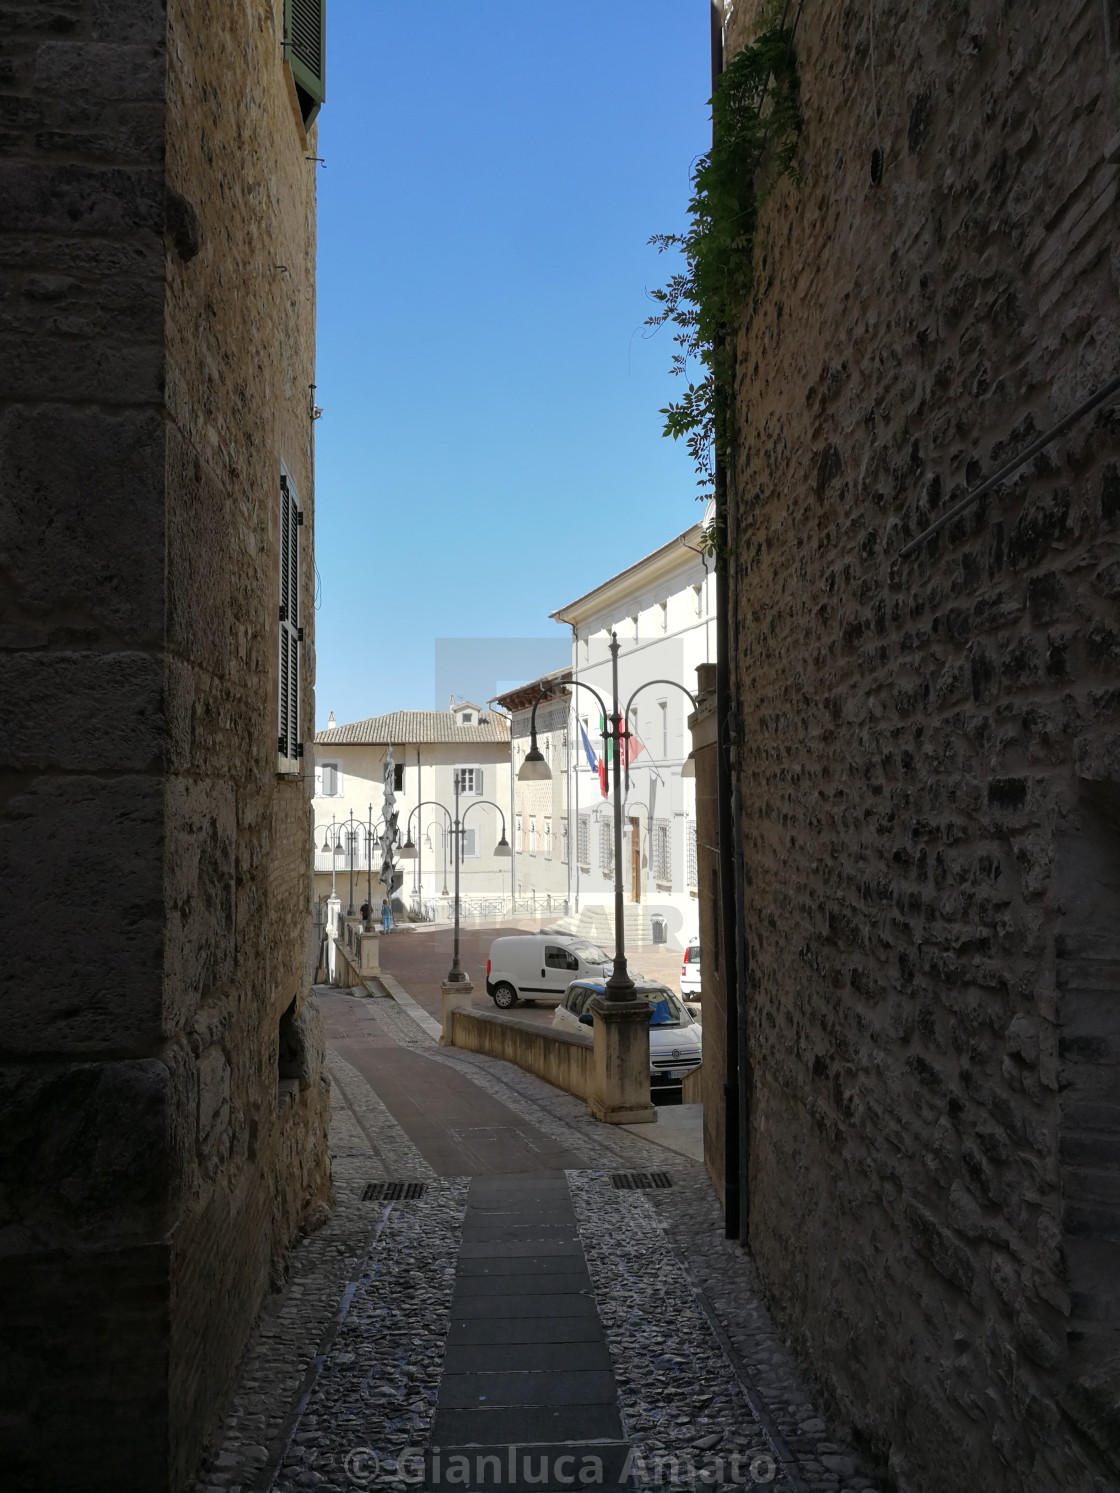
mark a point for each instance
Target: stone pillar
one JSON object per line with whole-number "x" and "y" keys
{"x": 456, "y": 997}
{"x": 620, "y": 1070}
{"x": 370, "y": 960}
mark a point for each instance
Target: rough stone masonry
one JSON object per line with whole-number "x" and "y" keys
{"x": 162, "y": 1111}
{"x": 929, "y": 747}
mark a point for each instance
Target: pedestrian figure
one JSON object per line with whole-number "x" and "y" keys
{"x": 386, "y": 915}
{"x": 365, "y": 911}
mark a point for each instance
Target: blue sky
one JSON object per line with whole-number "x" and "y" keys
{"x": 490, "y": 446}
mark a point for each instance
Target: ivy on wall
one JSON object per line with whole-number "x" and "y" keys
{"x": 756, "y": 122}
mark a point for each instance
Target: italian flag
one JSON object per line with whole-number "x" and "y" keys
{"x": 631, "y": 749}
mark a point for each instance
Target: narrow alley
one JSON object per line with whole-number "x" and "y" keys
{"x": 492, "y": 1306}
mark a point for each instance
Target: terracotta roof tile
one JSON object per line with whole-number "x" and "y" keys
{"x": 406, "y": 727}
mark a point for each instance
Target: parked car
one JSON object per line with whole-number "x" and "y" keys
{"x": 675, "y": 1037}
{"x": 540, "y": 966}
{"x": 690, "y": 972}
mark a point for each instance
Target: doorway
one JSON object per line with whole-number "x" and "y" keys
{"x": 635, "y": 862}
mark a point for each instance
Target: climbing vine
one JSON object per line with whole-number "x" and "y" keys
{"x": 756, "y": 122}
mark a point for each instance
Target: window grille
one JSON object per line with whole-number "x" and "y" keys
{"x": 564, "y": 843}
{"x": 532, "y": 835}
{"x": 583, "y": 840}
{"x": 548, "y": 839}
{"x": 690, "y": 853}
{"x": 606, "y": 849}
{"x": 662, "y": 851}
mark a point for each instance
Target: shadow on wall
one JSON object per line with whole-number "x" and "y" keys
{"x": 1088, "y": 1037}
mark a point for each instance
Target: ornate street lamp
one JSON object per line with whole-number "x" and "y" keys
{"x": 622, "y": 1089}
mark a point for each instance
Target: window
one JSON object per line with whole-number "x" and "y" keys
{"x": 519, "y": 834}
{"x": 466, "y": 719}
{"x": 690, "y": 852}
{"x": 398, "y": 777}
{"x": 548, "y": 839}
{"x": 662, "y": 851}
{"x": 532, "y": 835}
{"x": 305, "y": 36}
{"x": 664, "y": 608}
{"x": 558, "y": 958}
{"x": 606, "y": 849}
{"x": 583, "y": 841}
{"x": 289, "y": 747}
{"x": 470, "y": 843}
{"x": 469, "y": 780}
{"x": 564, "y": 843}
{"x": 328, "y": 777}
{"x": 663, "y": 707}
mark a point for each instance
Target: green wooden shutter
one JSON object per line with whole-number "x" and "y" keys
{"x": 305, "y": 47}
{"x": 288, "y": 743}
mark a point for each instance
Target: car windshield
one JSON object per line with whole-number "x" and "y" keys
{"x": 666, "y": 1009}
{"x": 589, "y": 952}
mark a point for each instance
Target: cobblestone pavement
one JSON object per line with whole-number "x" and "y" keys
{"x": 339, "y": 1384}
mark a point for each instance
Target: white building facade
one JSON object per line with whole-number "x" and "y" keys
{"x": 662, "y": 611}
{"x": 430, "y": 749}
{"x": 542, "y": 870}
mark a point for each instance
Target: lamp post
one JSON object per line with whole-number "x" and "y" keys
{"x": 331, "y": 834}
{"x": 351, "y": 842}
{"x": 456, "y": 975}
{"x": 621, "y": 1070}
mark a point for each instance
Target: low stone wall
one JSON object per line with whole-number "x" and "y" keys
{"x": 557, "y": 1057}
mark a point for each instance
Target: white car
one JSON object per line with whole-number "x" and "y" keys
{"x": 690, "y": 972}
{"x": 675, "y": 1038}
{"x": 540, "y": 966}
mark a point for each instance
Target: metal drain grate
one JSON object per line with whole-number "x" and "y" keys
{"x": 393, "y": 1192}
{"x": 641, "y": 1181}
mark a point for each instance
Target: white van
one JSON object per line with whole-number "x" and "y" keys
{"x": 541, "y": 966}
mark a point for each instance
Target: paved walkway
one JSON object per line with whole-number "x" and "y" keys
{"x": 505, "y": 1300}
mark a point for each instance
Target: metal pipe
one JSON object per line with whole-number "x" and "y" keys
{"x": 1084, "y": 408}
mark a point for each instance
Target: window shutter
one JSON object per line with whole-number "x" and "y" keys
{"x": 305, "y": 47}
{"x": 478, "y": 781}
{"x": 288, "y": 742}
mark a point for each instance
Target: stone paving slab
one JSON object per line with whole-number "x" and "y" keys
{"x": 525, "y": 1424}
{"x": 520, "y": 1469}
{"x": 468, "y": 1358}
{"x": 499, "y": 1283}
{"x": 480, "y": 1330}
{"x": 548, "y": 1386}
{"x": 532, "y": 1266}
{"x": 545, "y": 1305}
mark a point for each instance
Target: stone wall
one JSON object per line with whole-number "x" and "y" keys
{"x": 930, "y": 746}
{"x": 158, "y": 315}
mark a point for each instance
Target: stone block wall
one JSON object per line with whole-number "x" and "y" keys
{"x": 157, "y": 307}
{"x": 928, "y": 750}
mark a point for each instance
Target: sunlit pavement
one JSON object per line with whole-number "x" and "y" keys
{"x": 418, "y": 957}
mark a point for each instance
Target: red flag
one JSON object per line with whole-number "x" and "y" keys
{"x": 603, "y": 775}
{"x": 634, "y": 745}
